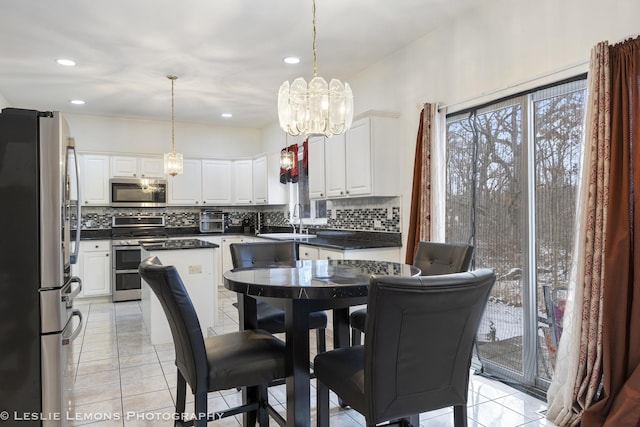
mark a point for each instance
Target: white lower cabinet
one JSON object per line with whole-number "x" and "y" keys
{"x": 94, "y": 268}
{"x": 374, "y": 254}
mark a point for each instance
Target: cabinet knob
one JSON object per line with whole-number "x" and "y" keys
{"x": 197, "y": 202}
{"x": 97, "y": 246}
{"x": 142, "y": 175}
{"x": 106, "y": 254}
{"x": 321, "y": 195}
{"x": 204, "y": 201}
{"x": 134, "y": 174}
{"x": 347, "y": 192}
{"x": 341, "y": 193}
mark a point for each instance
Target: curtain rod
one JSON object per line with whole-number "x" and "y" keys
{"x": 493, "y": 92}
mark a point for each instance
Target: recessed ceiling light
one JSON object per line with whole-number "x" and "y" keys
{"x": 77, "y": 102}
{"x": 226, "y": 115}
{"x": 66, "y": 62}
{"x": 291, "y": 60}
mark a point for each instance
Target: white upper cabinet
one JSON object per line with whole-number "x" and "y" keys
{"x": 260, "y": 181}
{"x": 137, "y": 167}
{"x": 277, "y": 193}
{"x": 242, "y": 181}
{"x": 317, "y": 178}
{"x": 335, "y": 166}
{"x": 94, "y": 178}
{"x": 186, "y": 189}
{"x": 267, "y": 188}
{"x": 216, "y": 182}
{"x": 364, "y": 160}
{"x": 372, "y": 160}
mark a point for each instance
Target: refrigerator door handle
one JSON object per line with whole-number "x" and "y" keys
{"x": 70, "y": 296}
{"x": 66, "y": 340}
{"x": 73, "y": 257}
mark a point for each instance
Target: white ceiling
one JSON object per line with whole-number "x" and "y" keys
{"x": 227, "y": 53}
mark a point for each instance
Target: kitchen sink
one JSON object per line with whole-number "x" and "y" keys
{"x": 286, "y": 236}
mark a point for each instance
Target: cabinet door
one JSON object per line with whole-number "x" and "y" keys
{"x": 277, "y": 193}
{"x": 216, "y": 182}
{"x": 242, "y": 182}
{"x": 260, "y": 180}
{"x": 307, "y": 252}
{"x": 94, "y": 176}
{"x": 151, "y": 167}
{"x": 124, "y": 166}
{"x": 186, "y": 189}
{"x": 330, "y": 254}
{"x": 94, "y": 267}
{"x": 358, "y": 154}
{"x": 316, "y": 168}
{"x": 335, "y": 166}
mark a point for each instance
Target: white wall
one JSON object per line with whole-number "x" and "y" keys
{"x": 3, "y": 102}
{"x": 106, "y": 134}
{"x": 502, "y": 48}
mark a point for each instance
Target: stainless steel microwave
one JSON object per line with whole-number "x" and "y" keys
{"x": 138, "y": 192}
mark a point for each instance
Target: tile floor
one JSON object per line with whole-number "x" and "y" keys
{"x": 120, "y": 379}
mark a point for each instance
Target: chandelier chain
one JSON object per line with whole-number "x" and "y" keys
{"x": 313, "y": 9}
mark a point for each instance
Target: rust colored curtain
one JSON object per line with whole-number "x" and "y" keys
{"x": 420, "y": 216}
{"x": 620, "y": 403}
{"x": 578, "y": 372}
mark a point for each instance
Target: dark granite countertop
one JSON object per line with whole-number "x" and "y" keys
{"x": 168, "y": 245}
{"x": 332, "y": 239}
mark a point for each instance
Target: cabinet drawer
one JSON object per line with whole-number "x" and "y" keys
{"x": 95, "y": 245}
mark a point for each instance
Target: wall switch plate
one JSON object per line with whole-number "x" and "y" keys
{"x": 390, "y": 213}
{"x": 333, "y": 214}
{"x": 377, "y": 223}
{"x": 195, "y": 269}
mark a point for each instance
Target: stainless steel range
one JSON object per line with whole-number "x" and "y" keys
{"x": 127, "y": 233}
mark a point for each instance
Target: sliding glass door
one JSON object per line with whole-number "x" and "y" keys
{"x": 512, "y": 169}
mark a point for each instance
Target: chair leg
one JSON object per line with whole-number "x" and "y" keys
{"x": 322, "y": 404}
{"x": 356, "y": 337}
{"x": 181, "y": 396}
{"x": 460, "y": 416}
{"x": 202, "y": 413}
{"x": 263, "y": 396}
{"x": 321, "y": 340}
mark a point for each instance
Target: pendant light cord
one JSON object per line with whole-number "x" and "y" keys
{"x": 173, "y": 136}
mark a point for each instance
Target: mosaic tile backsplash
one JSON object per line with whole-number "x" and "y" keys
{"x": 349, "y": 214}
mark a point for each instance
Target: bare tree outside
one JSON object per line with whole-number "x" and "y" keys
{"x": 487, "y": 195}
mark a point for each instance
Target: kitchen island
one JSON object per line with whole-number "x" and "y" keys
{"x": 197, "y": 263}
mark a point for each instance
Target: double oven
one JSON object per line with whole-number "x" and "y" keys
{"x": 128, "y": 233}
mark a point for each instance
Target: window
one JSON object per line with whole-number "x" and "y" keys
{"x": 512, "y": 175}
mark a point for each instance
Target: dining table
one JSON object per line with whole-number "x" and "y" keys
{"x": 312, "y": 285}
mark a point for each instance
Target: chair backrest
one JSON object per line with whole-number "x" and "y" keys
{"x": 191, "y": 356}
{"x": 442, "y": 258}
{"x": 264, "y": 254}
{"x": 420, "y": 334}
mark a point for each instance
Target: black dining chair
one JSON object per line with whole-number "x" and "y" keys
{"x": 250, "y": 358}
{"x": 417, "y": 355}
{"x": 431, "y": 258}
{"x": 268, "y": 255}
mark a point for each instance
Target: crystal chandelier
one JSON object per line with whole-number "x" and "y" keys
{"x": 173, "y": 164}
{"x": 317, "y": 108}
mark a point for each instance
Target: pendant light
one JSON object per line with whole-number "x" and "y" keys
{"x": 173, "y": 162}
{"x": 316, "y": 108}
{"x": 286, "y": 156}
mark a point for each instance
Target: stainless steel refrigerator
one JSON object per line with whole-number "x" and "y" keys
{"x": 38, "y": 323}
